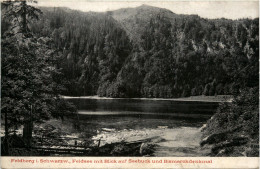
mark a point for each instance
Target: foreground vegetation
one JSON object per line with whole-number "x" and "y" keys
{"x": 58, "y": 138}
{"x": 234, "y": 129}
{"x": 139, "y": 52}
{"x": 30, "y": 84}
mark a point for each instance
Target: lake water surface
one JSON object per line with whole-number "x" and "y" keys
{"x": 173, "y": 126}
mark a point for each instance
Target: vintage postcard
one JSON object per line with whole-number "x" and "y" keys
{"x": 129, "y": 84}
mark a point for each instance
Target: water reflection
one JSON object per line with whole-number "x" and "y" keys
{"x": 135, "y": 106}
{"x": 175, "y": 124}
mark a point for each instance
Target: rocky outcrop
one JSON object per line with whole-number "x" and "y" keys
{"x": 124, "y": 149}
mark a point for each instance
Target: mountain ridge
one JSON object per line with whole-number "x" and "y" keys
{"x": 127, "y": 17}
{"x": 149, "y": 52}
{"x": 134, "y": 19}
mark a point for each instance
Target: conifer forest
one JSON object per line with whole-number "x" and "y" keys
{"x": 136, "y": 60}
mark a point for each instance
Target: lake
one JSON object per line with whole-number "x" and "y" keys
{"x": 173, "y": 126}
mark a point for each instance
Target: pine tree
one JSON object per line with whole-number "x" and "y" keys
{"x": 30, "y": 91}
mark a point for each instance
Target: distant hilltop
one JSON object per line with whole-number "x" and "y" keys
{"x": 151, "y": 52}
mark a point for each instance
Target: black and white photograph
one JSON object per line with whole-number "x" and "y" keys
{"x": 129, "y": 78}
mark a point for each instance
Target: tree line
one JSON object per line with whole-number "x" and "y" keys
{"x": 175, "y": 57}
{"x": 50, "y": 52}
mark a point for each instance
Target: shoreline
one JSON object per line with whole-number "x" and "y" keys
{"x": 166, "y": 141}
{"x": 219, "y": 98}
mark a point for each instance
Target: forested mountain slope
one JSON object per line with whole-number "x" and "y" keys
{"x": 151, "y": 52}
{"x": 135, "y": 20}
{"x": 92, "y": 47}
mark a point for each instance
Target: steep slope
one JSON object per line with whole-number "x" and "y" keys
{"x": 152, "y": 52}
{"x": 182, "y": 55}
{"x": 134, "y": 20}
{"x": 92, "y": 47}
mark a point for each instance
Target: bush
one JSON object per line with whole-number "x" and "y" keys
{"x": 237, "y": 119}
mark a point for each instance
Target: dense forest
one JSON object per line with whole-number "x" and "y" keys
{"x": 151, "y": 52}
{"x": 31, "y": 81}
{"x": 133, "y": 52}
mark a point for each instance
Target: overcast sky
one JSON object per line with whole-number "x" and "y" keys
{"x": 213, "y": 9}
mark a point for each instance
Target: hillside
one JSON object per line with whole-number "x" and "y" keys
{"x": 145, "y": 53}
{"x": 151, "y": 52}
{"x": 134, "y": 20}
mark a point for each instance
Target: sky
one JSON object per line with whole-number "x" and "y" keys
{"x": 207, "y": 9}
